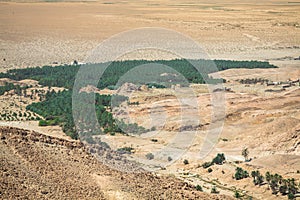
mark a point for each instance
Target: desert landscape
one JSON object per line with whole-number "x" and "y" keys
{"x": 176, "y": 137}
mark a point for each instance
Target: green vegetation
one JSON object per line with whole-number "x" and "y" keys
{"x": 64, "y": 76}
{"x": 57, "y": 110}
{"x": 17, "y": 89}
{"x": 199, "y": 188}
{"x": 237, "y": 194}
{"x": 253, "y": 81}
{"x": 214, "y": 190}
{"x": 276, "y": 182}
{"x": 240, "y": 174}
{"x": 56, "y": 107}
{"x": 185, "y": 161}
{"x": 207, "y": 165}
{"x": 6, "y": 87}
{"x": 126, "y": 150}
{"x": 285, "y": 186}
{"x": 219, "y": 160}
{"x": 48, "y": 122}
{"x": 258, "y": 179}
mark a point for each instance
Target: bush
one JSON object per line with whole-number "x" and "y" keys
{"x": 240, "y": 173}
{"x": 112, "y": 133}
{"x": 237, "y": 194}
{"x": 199, "y": 188}
{"x": 209, "y": 170}
{"x": 207, "y": 165}
{"x": 154, "y": 140}
{"x": 185, "y": 162}
{"x": 214, "y": 190}
{"x": 149, "y": 156}
{"x": 73, "y": 135}
{"x": 153, "y": 128}
{"x": 219, "y": 159}
{"x": 170, "y": 159}
{"x": 291, "y": 196}
{"x": 258, "y": 179}
{"x": 125, "y": 150}
{"x": 43, "y": 123}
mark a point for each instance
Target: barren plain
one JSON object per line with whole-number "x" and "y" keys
{"x": 265, "y": 119}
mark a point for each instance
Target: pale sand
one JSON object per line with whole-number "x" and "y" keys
{"x": 42, "y": 33}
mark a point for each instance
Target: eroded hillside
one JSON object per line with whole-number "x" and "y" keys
{"x": 35, "y": 166}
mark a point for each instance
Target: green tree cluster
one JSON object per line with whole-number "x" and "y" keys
{"x": 64, "y": 76}
{"x": 219, "y": 160}
{"x": 240, "y": 173}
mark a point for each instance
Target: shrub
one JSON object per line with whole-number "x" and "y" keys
{"x": 245, "y": 153}
{"x": 149, "y": 156}
{"x": 43, "y": 123}
{"x": 154, "y": 140}
{"x": 73, "y": 135}
{"x": 112, "y": 133}
{"x": 291, "y": 196}
{"x": 207, "y": 165}
{"x": 170, "y": 159}
{"x": 214, "y": 190}
{"x": 258, "y": 179}
{"x": 199, "y": 188}
{"x": 185, "y": 162}
{"x": 125, "y": 150}
{"x": 153, "y": 128}
{"x": 240, "y": 173}
{"x": 209, "y": 170}
{"x": 219, "y": 159}
{"x": 237, "y": 194}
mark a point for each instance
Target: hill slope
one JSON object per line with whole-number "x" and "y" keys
{"x": 35, "y": 166}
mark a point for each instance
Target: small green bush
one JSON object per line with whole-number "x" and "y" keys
{"x": 199, "y": 188}
{"x": 185, "y": 161}
{"x": 207, "y": 165}
{"x": 214, "y": 190}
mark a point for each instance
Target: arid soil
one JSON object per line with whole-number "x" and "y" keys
{"x": 42, "y": 33}
{"x": 35, "y": 166}
{"x": 43, "y": 163}
{"x": 267, "y": 123}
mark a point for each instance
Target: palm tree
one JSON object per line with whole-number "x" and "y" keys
{"x": 268, "y": 177}
{"x": 245, "y": 153}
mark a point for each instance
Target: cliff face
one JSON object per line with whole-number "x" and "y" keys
{"x": 35, "y": 166}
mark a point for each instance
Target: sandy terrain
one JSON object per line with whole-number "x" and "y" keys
{"x": 42, "y": 33}
{"x": 265, "y": 122}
